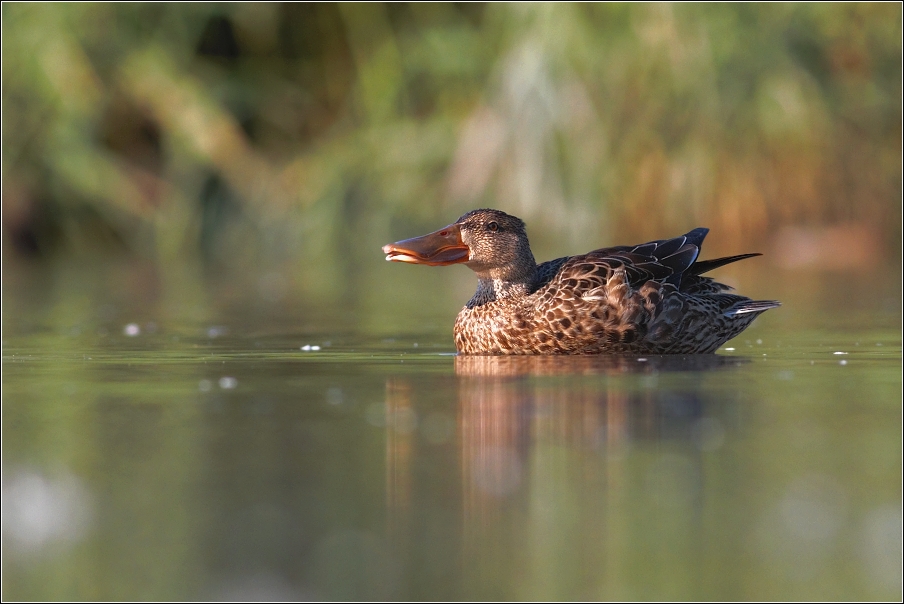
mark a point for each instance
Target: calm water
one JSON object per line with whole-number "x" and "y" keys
{"x": 160, "y": 460}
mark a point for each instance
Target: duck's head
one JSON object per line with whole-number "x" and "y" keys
{"x": 492, "y": 243}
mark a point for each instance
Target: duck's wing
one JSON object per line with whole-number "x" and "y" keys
{"x": 664, "y": 260}
{"x": 673, "y": 261}
{"x": 612, "y": 298}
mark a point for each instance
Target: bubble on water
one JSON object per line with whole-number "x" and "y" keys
{"x": 216, "y": 331}
{"x": 759, "y": 341}
{"x": 132, "y": 330}
{"x": 40, "y": 510}
{"x": 842, "y": 362}
{"x": 228, "y": 383}
{"x": 309, "y": 347}
{"x": 839, "y": 352}
{"x": 204, "y": 385}
{"x": 641, "y": 360}
{"x": 730, "y": 349}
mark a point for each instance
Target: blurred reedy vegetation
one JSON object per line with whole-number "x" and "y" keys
{"x": 251, "y": 135}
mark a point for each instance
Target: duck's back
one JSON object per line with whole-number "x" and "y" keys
{"x": 648, "y": 299}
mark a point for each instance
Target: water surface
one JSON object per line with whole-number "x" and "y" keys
{"x": 162, "y": 460}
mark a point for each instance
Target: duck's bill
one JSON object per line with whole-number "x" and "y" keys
{"x": 436, "y": 249}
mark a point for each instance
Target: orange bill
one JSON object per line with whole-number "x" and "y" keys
{"x": 436, "y": 249}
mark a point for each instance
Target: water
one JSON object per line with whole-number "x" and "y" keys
{"x": 219, "y": 459}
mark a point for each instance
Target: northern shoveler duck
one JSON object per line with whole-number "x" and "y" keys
{"x": 641, "y": 299}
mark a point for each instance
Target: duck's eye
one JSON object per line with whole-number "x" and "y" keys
{"x": 493, "y": 227}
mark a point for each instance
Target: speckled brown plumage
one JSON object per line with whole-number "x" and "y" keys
{"x": 644, "y": 299}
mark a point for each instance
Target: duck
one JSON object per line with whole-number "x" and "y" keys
{"x": 649, "y": 299}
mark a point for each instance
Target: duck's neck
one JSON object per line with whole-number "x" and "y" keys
{"x": 511, "y": 281}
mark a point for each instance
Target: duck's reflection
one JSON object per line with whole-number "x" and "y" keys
{"x": 536, "y": 365}
{"x": 534, "y": 429}
{"x": 508, "y": 403}
{"x": 400, "y": 420}
{"x": 550, "y": 441}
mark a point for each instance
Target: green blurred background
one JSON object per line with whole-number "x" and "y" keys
{"x": 267, "y": 151}
{"x": 194, "y": 192}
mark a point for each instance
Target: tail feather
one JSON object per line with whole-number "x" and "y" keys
{"x": 704, "y": 266}
{"x": 751, "y": 306}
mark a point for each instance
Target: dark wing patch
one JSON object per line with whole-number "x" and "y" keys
{"x": 680, "y": 261}
{"x": 645, "y": 249}
{"x": 665, "y": 260}
{"x": 670, "y": 246}
{"x": 697, "y": 236}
